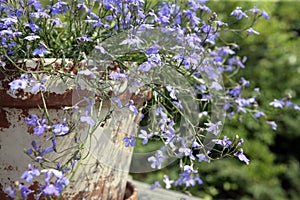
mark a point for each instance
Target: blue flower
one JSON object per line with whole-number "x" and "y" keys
{"x": 157, "y": 159}
{"x": 242, "y": 157}
{"x": 11, "y": 191}
{"x": 178, "y": 104}
{"x": 32, "y": 121}
{"x": 146, "y": 66}
{"x": 145, "y": 136}
{"x": 50, "y": 189}
{"x": 39, "y": 14}
{"x": 40, "y": 51}
{"x": 83, "y": 39}
{"x": 31, "y": 37}
{"x": 156, "y": 184}
{"x": 33, "y": 27}
{"x": 265, "y": 14}
{"x": 38, "y": 86}
{"x": 39, "y": 152}
{"x": 236, "y": 91}
{"x": 252, "y": 31}
{"x": 213, "y": 128}
{"x": 129, "y": 141}
{"x": 172, "y": 90}
{"x": 296, "y": 107}
{"x": 28, "y": 175}
{"x": 192, "y": 16}
{"x": 117, "y": 75}
{"x": 60, "y": 129}
{"x": 277, "y": 103}
{"x": 273, "y": 124}
{"x": 238, "y": 13}
{"x": 56, "y": 187}
{"x": 254, "y": 10}
{"x": 225, "y": 142}
{"x": 244, "y": 82}
{"x": 203, "y": 157}
{"x": 153, "y": 49}
{"x": 167, "y": 181}
{"x": 24, "y": 191}
{"x": 132, "y": 107}
{"x": 59, "y": 8}
{"x": 40, "y": 128}
{"x": 187, "y": 152}
{"x": 18, "y": 84}
{"x": 36, "y": 4}
{"x": 259, "y": 114}
{"x": 87, "y": 119}
{"x": 118, "y": 101}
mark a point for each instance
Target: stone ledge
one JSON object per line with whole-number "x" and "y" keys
{"x": 145, "y": 193}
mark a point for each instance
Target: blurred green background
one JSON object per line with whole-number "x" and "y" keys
{"x": 274, "y": 66}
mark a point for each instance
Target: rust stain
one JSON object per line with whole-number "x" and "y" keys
{"x": 8, "y": 168}
{"x": 4, "y": 123}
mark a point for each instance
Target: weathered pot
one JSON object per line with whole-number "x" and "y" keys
{"x": 103, "y": 172}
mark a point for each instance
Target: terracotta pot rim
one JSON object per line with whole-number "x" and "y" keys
{"x": 133, "y": 191}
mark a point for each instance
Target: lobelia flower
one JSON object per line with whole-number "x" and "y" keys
{"x": 53, "y": 188}
{"x": 61, "y": 128}
{"x": 277, "y": 103}
{"x": 254, "y": 10}
{"x": 32, "y": 121}
{"x": 24, "y": 191}
{"x": 20, "y": 83}
{"x": 167, "y": 181}
{"x": 258, "y": 114}
{"x": 30, "y": 173}
{"x": 59, "y": 8}
{"x": 178, "y": 104}
{"x": 265, "y": 14}
{"x": 172, "y": 90}
{"x": 188, "y": 178}
{"x": 238, "y": 13}
{"x": 241, "y": 156}
{"x": 156, "y": 184}
{"x": 129, "y": 141}
{"x": 32, "y": 37}
{"x": 187, "y": 152}
{"x": 10, "y": 191}
{"x": 87, "y": 119}
{"x": 157, "y": 159}
{"x": 118, "y": 101}
{"x": 296, "y": 107}
{"x": 145, "y": 136}
{"x": 203, "y": 157}
{"x": 132, "y": 107}
{"x": 273, "y": 124}
{"x": 40, "y": 51}
{"x": 83, "y": 39}
{"x": 41, "y": 127}
{"x": 117, "y": 75}
{"x": 252, "y": 31}
{"x": 38, "y": 86}
{"x": 39, "y": 152}
{"x": 225, "y": 142}
{"x": 213, "y": 128}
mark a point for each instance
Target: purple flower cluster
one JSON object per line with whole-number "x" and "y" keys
{"x": 51, "y": 187}
{"x": 27, "y": 82}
